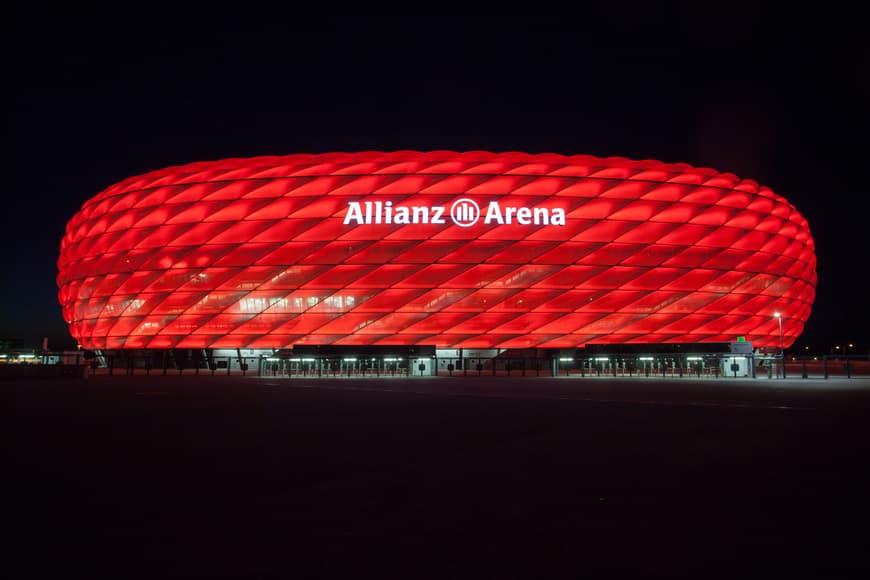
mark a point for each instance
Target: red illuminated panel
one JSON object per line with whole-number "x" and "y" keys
{"x": 476, "y": 249}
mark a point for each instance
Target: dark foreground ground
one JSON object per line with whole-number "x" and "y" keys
{"x": 199, "y": 477}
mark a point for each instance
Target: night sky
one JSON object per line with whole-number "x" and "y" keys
{"x": 93, "y": 97}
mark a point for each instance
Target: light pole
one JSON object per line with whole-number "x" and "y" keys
{"x": 779, "y": 318}
{"x": 846, "y": 355}
{"x": 781, "y": 358}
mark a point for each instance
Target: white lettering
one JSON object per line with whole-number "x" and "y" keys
{"x": 403, "y": 216}
{"x": 493, "y": 213}
{"x": 353, "y": 213}
{"x": 420, "y": 213}
{"x": 524, "y": 216}
{"x": 463, "y": 213}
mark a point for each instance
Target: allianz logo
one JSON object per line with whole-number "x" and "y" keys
{"x": 463, "y": 212}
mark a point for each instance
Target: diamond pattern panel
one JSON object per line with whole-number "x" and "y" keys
{"x": 463, "y": 250}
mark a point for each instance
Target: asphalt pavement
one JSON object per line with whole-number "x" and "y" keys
{"x": 269, "y": 477}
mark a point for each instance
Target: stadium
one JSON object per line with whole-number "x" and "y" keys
{"x": 443, "y": 252}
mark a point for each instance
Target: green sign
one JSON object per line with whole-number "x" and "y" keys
{"x": 741, "y": 339}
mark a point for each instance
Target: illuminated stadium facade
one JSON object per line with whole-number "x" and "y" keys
{"x": 471, "y": 250}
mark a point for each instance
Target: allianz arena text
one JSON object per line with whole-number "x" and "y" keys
{"x": 459, "y": 250}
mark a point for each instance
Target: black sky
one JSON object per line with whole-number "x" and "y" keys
{"x": 777, "y": 96}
